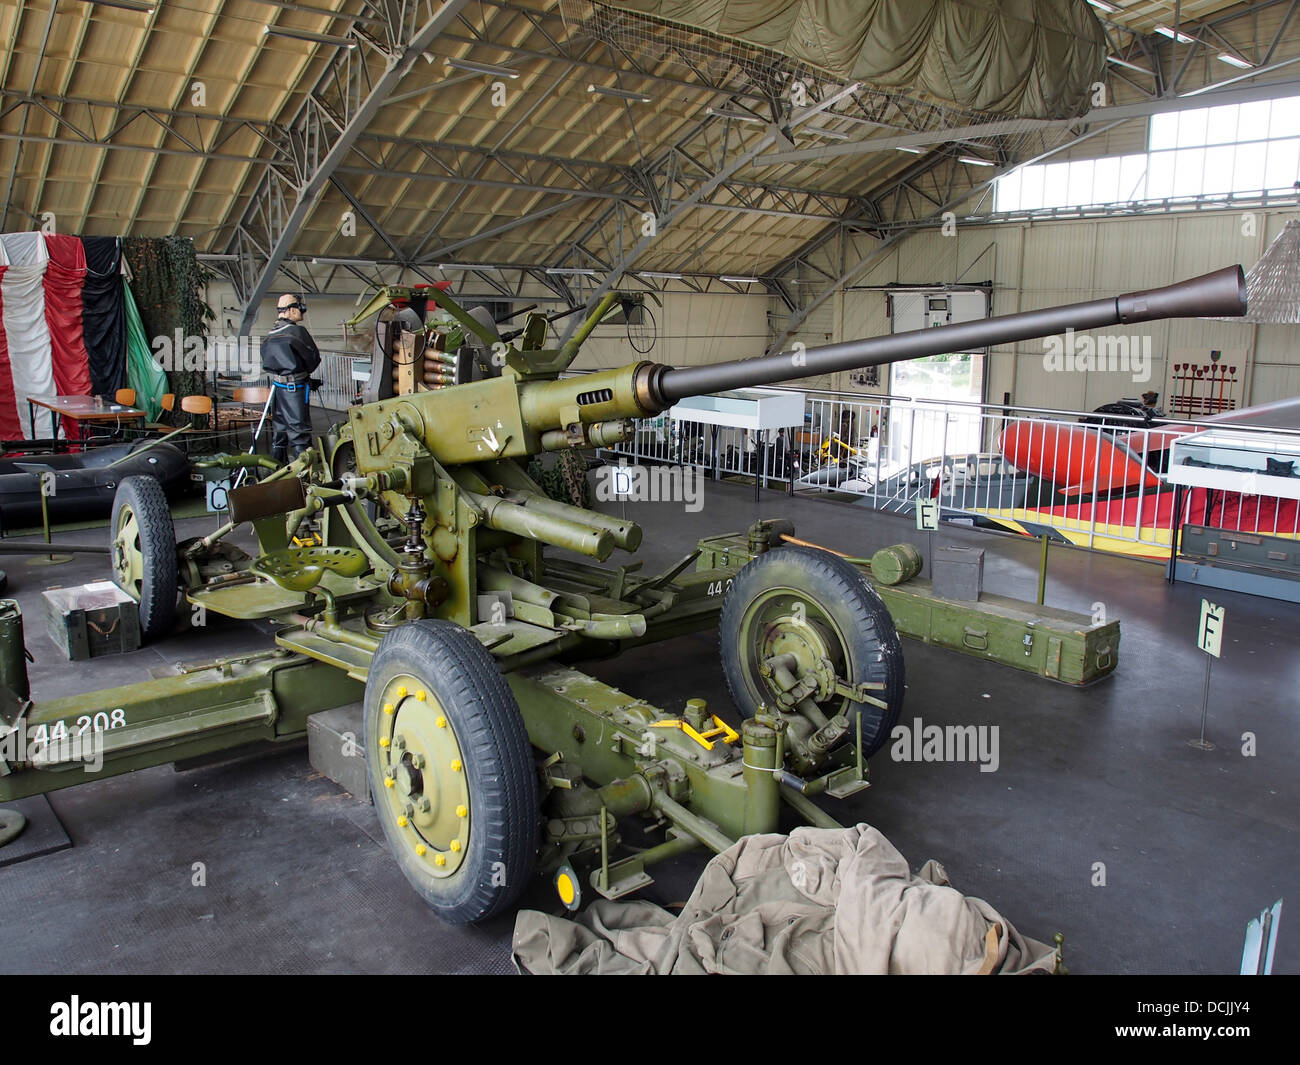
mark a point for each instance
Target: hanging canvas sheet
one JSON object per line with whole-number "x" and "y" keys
{"x": 22, "y": 311}
{"x": 103, "y": 313}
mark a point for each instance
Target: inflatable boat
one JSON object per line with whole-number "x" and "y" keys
{"x": 83, "y": 484}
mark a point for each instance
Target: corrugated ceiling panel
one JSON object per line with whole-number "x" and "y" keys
{"x": 102, "y": 53}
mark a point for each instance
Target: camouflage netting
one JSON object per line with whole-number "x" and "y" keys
{"x": 564, "y": 479}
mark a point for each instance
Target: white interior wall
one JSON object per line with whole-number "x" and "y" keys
{"x": 1043, "y": 264}
{"x": 694, "y": 329}
{"x": 325, "y": 315}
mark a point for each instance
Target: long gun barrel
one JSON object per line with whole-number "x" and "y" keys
{"x": 534, "y": 410}
{"x": 1219, "y": 294}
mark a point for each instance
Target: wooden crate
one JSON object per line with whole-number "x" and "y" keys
{"x": 91, "y": 620}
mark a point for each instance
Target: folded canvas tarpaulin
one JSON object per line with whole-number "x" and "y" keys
{"x": 819, "y": 901}
{"x": 27, "y": 335}
{"x": 103, "y": 314}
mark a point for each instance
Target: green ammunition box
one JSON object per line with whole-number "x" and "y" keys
{"x": 91, "y": 620}
{"x": 1057, "y": 644}
{"x": 1271, "y": 556}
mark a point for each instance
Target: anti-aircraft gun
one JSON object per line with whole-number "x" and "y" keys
{"x": 436, "y": 598}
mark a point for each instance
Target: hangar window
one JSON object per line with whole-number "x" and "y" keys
{"x": 1210, "y": 151}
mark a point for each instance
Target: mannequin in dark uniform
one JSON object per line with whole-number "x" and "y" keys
{"x": 289, "y": 358}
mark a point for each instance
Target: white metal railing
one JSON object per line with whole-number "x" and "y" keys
{"x": 338, "y": 389}
{"x": 335, "y": 374}
{"x": 1093, "y": 480}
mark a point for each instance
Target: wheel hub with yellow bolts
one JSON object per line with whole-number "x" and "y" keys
{"x": 425, "y": 784}
{"x": 127, "y": 557}
{"x": 783, "y": 622}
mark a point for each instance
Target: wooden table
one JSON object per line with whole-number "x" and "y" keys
{"x": 83, "y": 410}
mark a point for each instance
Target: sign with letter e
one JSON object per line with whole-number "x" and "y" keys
{"x": 1209, "y": 636}
{"x": 927, "y": 514}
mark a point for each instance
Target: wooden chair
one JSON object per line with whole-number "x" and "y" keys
{"x": 198, "y": 407}
{"x": 164, "y": 423}
{"x": 104, "y": 433}
{"x": 253, "y": 396}
{"x": 198, "y": 411}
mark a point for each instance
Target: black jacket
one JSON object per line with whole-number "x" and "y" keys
{"x": 289, "y": 349}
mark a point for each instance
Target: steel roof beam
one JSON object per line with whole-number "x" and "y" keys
{"x": 884, "y": 245}
{"x": 36, "y": 69}
{"x": 397, "y": 63}
{"x": 628, "y": 258}
{"x": 1208, "y": 97}
{"x": 275, "y": 137}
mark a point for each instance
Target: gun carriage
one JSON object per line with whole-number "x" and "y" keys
{"x": 438, "y": 599}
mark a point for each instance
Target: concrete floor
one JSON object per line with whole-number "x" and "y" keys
{"x": 298, "y": 880}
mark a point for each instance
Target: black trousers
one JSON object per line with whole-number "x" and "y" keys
{"x": 290, "y": 422}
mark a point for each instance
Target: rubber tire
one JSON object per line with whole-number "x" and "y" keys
{"x": 871, "y": 642}
{"x": 501, "y": 774}
{"x": 158, "y": 586}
